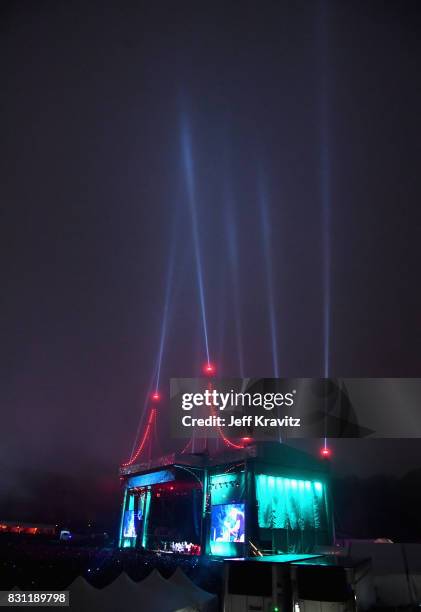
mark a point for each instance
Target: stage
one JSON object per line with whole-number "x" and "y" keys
{"x": 266, "y": 498}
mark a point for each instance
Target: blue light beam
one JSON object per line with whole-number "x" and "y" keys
{"x": 325, "y": 178}
{"x": 231, "y": 230}
{"x": 191, "y": 197}
{"x": 325, "y": 189}
{"x": 264, "y": 215}
{"x": 164, "y": 324}
{"x": 156, "y": 374}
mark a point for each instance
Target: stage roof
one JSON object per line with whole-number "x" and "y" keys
{"x": 267, "y": 456}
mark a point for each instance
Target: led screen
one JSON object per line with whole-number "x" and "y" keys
{"x": 288, "y": 503}
{"x": 130, "y": 524}
{"x": 129, "y": 530}
{"x": 227, "y": 523}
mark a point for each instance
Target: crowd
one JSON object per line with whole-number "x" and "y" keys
{"x": 41, "y": 565}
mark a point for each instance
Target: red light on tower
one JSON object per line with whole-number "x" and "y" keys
{"x": 325, "y": 452}
{"x": 209, "y": 369}
{"x": 156, "y": 396}
{"x": 246, "y": 440}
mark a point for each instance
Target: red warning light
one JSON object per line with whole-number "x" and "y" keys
{"x": 209, "y": 369}
{"x": 325, "y": 452}
{"x": 156, "y": 396}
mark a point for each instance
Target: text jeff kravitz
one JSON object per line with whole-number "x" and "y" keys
{"x": 244, "y": 421}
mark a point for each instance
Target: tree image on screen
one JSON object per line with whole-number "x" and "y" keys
{"x": 227, "y": 523}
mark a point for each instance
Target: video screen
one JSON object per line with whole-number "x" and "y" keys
{"x": 129, "y": 530}
{"x": 227, "y": 523}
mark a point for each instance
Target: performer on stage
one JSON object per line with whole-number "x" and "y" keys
{"x": 234, "y": 526}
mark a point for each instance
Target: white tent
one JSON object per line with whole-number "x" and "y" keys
{"x": 120, "y": 595}
{"x": 206, "y": 602}
{"x": 82, "y": 595}
{"x": 161, "y": 595}
{"x": 153, "y": 594}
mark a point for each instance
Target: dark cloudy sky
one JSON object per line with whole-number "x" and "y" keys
{"x": 92, "y": 182}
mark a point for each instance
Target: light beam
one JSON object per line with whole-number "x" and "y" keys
{"x": 191, "y": 197}
{"x": 264, "y": 215}
{"x": 325, "y": 168}
{"x": 231, "y": 230}
{"x": 164, "y": 325}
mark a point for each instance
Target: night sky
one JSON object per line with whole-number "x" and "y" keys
{"x": 307, "y": 108}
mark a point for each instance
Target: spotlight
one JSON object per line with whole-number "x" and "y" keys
{"x": 325, "y": 452}
{"x": 156, "y": 396}
{"x": 209, "y": 369}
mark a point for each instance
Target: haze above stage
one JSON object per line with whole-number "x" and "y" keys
{"x": 264, "y": 498}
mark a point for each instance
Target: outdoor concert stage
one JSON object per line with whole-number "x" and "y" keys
{"x": 267, "y": 496}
